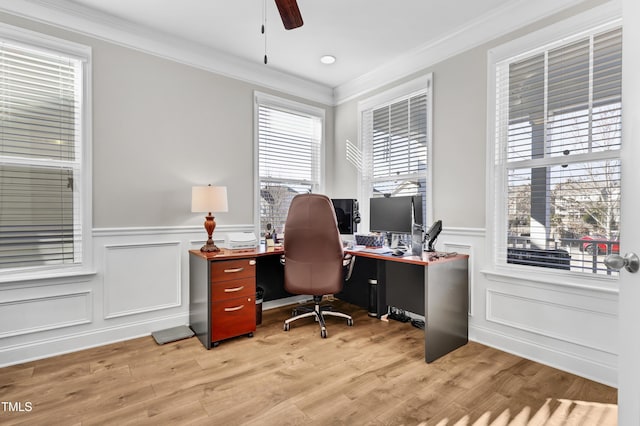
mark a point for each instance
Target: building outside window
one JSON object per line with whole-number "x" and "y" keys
{"x": 395, "y": 144}
{"x": 289, "y": 146}
{"x": 558, "y": 128}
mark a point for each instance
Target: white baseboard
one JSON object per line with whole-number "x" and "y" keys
{"x": 59, "y": 345}
{"x": 572, "y": 363}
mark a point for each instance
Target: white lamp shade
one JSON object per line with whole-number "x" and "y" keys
{"x": 206, "y": 199}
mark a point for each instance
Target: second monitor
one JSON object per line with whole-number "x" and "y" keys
{"x": 395, "y": 214}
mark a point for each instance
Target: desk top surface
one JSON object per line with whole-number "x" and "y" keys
{"x": 425, "y": 259}
{"x": 224, "y": 253}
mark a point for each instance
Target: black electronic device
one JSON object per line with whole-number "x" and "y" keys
{"x": 347, "y": 214}
{"x": 395, "y": 214}
{"x": 432, "y": 235}
{"x": 416, "y": 204}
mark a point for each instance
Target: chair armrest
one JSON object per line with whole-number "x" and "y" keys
{"x": 348, "y": 261}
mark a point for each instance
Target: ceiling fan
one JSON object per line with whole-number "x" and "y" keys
{"x": 291, "y": 18}
{"x": 290, "y": 13}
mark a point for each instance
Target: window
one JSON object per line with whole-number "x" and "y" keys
{"x": 557, "y": 153}
{"x": 395, "y": 133}
{"x": 289, "y": 147}
{"x": 44, "y": 147}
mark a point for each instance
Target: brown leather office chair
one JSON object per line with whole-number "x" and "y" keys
{"x": 314, "y": 260}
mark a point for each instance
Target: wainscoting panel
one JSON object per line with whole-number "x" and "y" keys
{"x": 37, "y": 314}
{"x": 141, "y": 284}
{"x": 568, "y": 320}
{"x": 141, "y": 278}
{"x": 569, "y": 323}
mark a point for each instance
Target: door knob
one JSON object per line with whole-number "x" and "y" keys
{"x": 616, "y": 262}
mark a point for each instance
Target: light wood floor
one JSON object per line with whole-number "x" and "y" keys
{"x": 370, "y": 374}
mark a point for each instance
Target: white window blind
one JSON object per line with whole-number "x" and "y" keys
{"x": 289, "y": 160}
{"x": 558, "y": 135}
{"x": 40, "y": 158}
{"x": 395, "y": 148}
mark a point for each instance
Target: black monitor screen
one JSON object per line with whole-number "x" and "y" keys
{"x": 347, "y": 214}
{"x": 394, "y": 214}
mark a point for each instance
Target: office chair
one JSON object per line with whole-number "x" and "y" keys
{"x": 313, "y": 259}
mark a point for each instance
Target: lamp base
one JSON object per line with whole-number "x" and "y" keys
{"x": 210, "y": 226}
{"x": 209, "y": 248}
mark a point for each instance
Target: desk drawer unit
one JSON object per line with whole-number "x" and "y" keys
{"x": 233, "y": 269}
{"x": 233, "y": 289}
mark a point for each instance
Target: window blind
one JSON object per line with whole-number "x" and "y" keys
{"x": 395, "y": 148}
{"x": 559, "y": 127}
{"x": 40, "y": 158}
{"x": 288, "y": 160}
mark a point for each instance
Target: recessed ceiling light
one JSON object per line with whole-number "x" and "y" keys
{"x": 328, "y": 59}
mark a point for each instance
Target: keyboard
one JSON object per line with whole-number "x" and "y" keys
{"x": 377, "y": 250}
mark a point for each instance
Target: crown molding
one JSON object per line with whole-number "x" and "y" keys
{"x": 498, "y": 22}
{"x": 80, "y": 19}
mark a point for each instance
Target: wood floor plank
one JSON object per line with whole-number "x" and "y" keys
{"x": 370, "y": 374}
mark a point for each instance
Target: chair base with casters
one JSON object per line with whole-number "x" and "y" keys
{"x": 318, "y": 313}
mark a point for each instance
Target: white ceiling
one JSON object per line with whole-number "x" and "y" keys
{"x": 361, "y": 34}
{"x": 366, "y": 36}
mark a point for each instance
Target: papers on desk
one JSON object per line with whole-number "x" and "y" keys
{"x": 241, "y": 240}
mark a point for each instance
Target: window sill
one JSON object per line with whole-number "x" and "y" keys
{"x": 602, "y": 284}
{"x": 46, "y": 278}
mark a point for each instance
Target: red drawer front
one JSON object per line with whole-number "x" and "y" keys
{"x": 245, "y": 287}
{"x": 232, "y": 317}
{"x": 232, "y": 269}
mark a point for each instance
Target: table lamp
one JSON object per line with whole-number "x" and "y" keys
{"x": 208, "y": 199}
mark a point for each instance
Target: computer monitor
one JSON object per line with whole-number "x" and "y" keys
{"x": 347, "y": 214}
{"x": 395, "y": 214}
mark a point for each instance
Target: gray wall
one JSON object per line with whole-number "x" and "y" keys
{"x": 160, "y": 127}
{"x": 459, "y": 131}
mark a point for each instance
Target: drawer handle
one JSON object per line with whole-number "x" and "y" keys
{"x": 233, "y": 290}
{"x": 235, "y": 308}
{"x": 233, "y": 270}
{"x": 252, "y": 262}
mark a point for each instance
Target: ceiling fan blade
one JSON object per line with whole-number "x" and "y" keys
{"x": 290, "y": 13}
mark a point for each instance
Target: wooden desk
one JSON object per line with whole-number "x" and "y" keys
{"x": 437, "y": 289}
{"x": 222, "y": 290}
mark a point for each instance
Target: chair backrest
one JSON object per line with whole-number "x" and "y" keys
{"x": 312, "y": 247}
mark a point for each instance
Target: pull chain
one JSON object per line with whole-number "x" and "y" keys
{"x": 264, "y": 29}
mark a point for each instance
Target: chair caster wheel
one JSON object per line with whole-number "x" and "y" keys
{"x": 323, "y": 334}
{"x": 250, "y": 335}
{"x": 287, "y": 327}
{"x": 350, "y": 322}
{"x": 215, "y": 344}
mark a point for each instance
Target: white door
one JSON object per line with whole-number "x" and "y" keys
{"x": 629, "y": 306}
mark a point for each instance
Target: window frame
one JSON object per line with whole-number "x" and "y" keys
{"x": 597, "y": 20}
{"x": 268, "y": 100}
{"x": 406, "y": 90}
{"x": 53, "y": 45}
